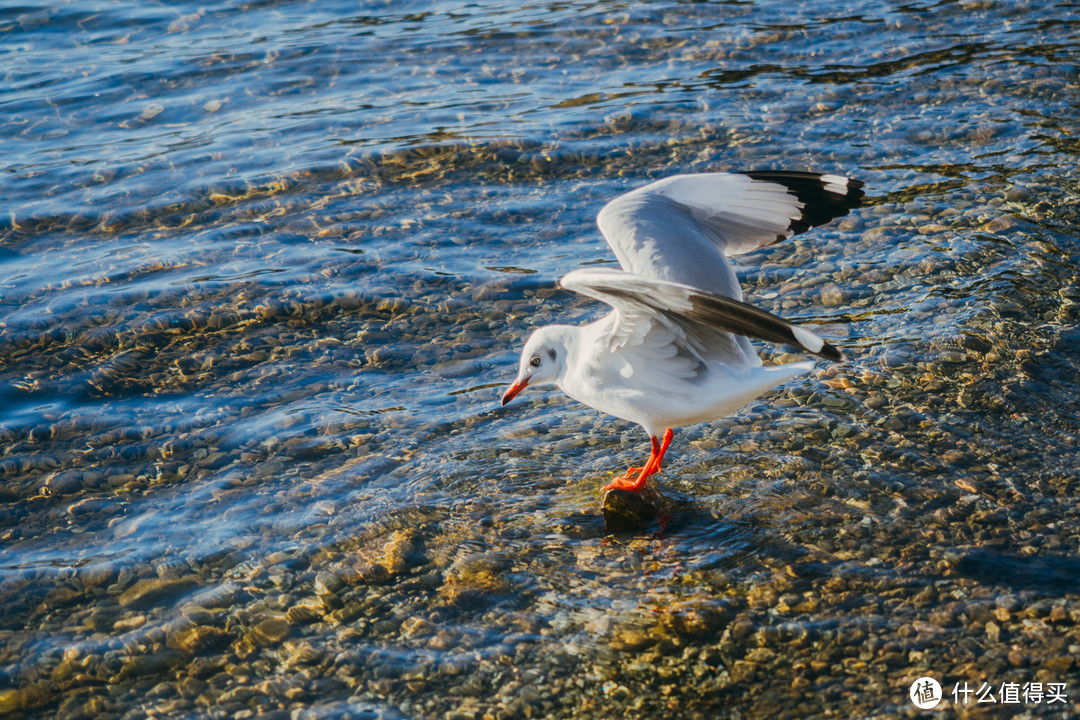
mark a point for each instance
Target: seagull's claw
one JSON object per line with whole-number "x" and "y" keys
{"x": 621, "y": 484}
{"x": 629, "y": 481}
{"x": 638, "y": 484}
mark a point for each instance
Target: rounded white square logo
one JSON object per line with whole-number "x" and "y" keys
{"x": 925, "y": 693}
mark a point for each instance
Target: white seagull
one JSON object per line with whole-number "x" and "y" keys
{"x": 675, "y": 350}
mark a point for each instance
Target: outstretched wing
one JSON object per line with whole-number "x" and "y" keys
{"x": 703, "y": 323}
{"x": 680, "y": 229}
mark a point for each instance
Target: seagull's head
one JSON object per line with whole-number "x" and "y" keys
{"x": 542, "y": 359}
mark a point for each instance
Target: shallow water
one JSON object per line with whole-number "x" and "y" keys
{"x": 264, "y": 272}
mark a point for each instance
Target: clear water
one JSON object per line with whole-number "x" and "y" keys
{"x": 265, "y": 269}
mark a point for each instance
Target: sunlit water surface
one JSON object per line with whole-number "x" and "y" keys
{"x": 265, "y": 269}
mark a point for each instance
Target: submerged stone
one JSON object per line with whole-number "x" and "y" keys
{"x": 626, "y": 510}
{"x": 147, "y": 593}
{"x": 197, "y": 639}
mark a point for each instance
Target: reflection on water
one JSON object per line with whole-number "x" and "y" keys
{"x": 264, "y": 270}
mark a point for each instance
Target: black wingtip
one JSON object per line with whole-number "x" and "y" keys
{"x": 824, "y": 196}
{"x": 829, "y": 352}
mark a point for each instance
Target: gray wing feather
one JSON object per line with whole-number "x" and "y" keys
{"x": 704, "y": 321}
{"x": 682, "y": 228}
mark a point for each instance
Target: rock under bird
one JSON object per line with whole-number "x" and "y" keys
{"x": 675, "y": 349}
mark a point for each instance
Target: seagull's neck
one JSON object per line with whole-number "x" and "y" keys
{"x": 582, "y": 359}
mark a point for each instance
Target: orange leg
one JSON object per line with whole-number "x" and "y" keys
{"x": 638, "y": 484}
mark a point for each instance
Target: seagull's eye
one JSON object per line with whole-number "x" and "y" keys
{"x": 535, "y": 362}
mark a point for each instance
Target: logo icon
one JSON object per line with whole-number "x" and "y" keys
{"x": 925, "y": 693}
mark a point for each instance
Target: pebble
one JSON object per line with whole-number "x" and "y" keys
{"x": 154, "y": 591}
{"x": 306, "y": 611}
{"x": 271, "y": 631}
{"x": 832, "y": 295}
{"x": 197, "y": 639}
{"x": 624, "y": 510}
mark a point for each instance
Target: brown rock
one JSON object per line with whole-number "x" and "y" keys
{"x": 625, "y": 510}
{"x": 155, "y": 591}
{"x": 197, "y": 639}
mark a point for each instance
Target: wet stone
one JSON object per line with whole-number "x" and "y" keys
{"x": 631, "y": 638}
{"x": 33, "y": 696}
{"x": 397, "y": 553}
{"x": 306, "y": 611}
{"x": 474, "y": 578}
{"x": 129, "y": 623}
{"x": 1059, "y": 666}
{"x": 328, "y": 583}
{"x": 270, "y": 631}
{"x": 100, "y": 620}
{"x": 150, "y": 665}
{"x": 832, "y": 295}
{"x": 156, "y": 591}
{"x": 197, "y": 639}
{"x": 625, "y": 510}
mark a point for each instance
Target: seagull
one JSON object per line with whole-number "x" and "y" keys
{"x": 675, "y": 349}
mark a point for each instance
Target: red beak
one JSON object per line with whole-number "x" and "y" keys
{"x": 513, "y": 390}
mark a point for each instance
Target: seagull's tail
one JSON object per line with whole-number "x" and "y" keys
{"x": 782, "y": 373}
{"x": 762, "y": 379}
